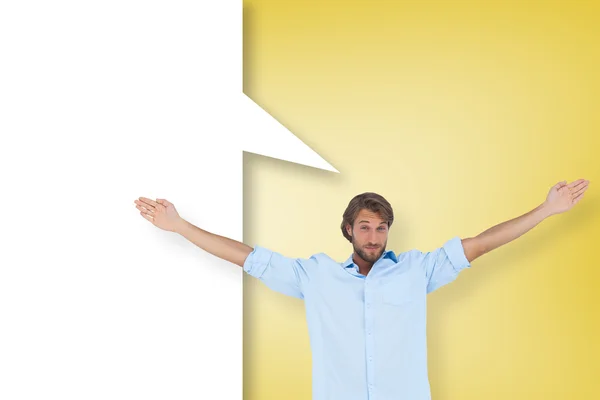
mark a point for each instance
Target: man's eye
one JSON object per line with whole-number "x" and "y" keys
{"x": 363, "y": 227}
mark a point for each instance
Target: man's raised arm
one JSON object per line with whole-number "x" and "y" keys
{"x": 561, "y": 197}
{"x": 164, "y": 215}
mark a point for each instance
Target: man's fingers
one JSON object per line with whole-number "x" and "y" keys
{"x": 576, "y": 183}
{"x": 560, "y": 184}
{"x": 143, "y": 209}
{"x": 580, "y": 185}
{"x": 579, "y": 190}
{"x": 148, "y": 201}
{"x": 144, "y": 206}
{"x": 578, "y": 198}
{"x": 148, "y": 217}
{"x": 164, "y": 202}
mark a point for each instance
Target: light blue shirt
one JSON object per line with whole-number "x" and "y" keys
{"x": 367, "y": 333}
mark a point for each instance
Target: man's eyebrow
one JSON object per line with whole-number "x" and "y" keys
{"x": 382, "y": 222}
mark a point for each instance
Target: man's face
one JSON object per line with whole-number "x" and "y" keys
{"x": 369, "y": 235}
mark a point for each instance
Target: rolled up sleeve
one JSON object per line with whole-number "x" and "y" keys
{"x": 282, "y": 274}
{"x": 443, "y": 265}
{"x": 257, "y": 261}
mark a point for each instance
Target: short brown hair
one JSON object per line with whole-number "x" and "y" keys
{"x": 370, "y": 201}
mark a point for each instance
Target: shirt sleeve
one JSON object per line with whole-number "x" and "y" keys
{"x": 282, "y": 274}
{"x": 443, "y": 264}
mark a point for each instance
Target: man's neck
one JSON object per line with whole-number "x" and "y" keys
{"x": 363, "y": 266}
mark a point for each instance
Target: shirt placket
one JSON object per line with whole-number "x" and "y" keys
{"x": 369, "y": 323}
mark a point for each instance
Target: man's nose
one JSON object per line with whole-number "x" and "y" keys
{"x": 372, "y": 237}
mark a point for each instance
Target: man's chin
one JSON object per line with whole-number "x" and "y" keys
{"x": 372, "y": 255}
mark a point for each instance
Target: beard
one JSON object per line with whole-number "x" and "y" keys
{"x": 367, "y": 254}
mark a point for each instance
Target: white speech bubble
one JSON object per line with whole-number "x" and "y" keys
{"x": 101, "y": 103}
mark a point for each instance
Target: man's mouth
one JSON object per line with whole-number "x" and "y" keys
{"x": 372, "y": 247}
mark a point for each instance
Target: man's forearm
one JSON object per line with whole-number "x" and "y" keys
{"x": 220, "y": 246}
{"x": 507, "y": 231}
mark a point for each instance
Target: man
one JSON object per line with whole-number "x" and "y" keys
{"x": 367, "y": 315}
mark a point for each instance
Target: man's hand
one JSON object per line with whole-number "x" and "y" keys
{"x": 160, "y": 212}
{"x": 164, "y": 215}
{"x": 562, "y": 196}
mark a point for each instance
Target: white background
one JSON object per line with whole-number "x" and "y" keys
{"x": 101, "y": 103}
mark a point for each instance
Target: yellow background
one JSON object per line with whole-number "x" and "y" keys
{"x": 463, "y": 115}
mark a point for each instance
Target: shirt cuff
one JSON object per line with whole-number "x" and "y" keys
{"x": 257, "y": 261}
{"x": 456, "y": 253}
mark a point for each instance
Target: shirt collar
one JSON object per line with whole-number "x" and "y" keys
{"x": 349, "y": 263}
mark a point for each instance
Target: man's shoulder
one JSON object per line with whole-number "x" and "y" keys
{"x": 408, "y": 255}
{"x": 323, "y": 258}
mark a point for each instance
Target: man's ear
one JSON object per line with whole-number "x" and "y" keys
{"x": 349, "y": 229}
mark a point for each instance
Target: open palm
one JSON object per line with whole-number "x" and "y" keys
{"x": 562, "y": 196}
{"x": 161, "y": 213}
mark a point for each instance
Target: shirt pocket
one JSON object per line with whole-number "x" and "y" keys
{"x": 397, "y": 291}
